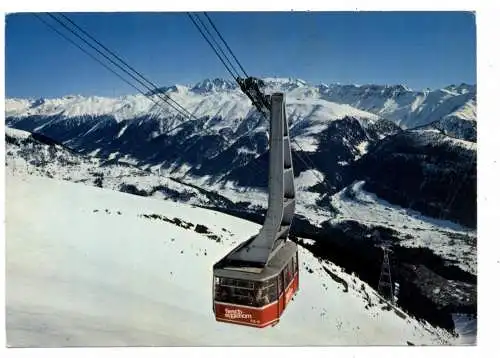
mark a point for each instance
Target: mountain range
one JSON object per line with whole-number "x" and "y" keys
{"x": 337, "y": 131}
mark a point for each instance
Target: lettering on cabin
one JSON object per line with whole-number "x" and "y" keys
{"x": 236, "y": 314}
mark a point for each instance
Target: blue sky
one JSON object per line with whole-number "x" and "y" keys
{"x": 417, "y": 49}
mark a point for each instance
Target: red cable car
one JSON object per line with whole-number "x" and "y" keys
{"x": 257, "y": 298}
{"x": 254, "y": 283}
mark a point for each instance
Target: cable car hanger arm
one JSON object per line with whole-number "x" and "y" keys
{"x": 252, "y": 87}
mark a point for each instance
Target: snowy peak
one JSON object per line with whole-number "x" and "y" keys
{"x": 281, "y": 84}
{"x": 168, "y": 89}
{"x": 213, "y": 85}
{"x": 364, "y": 91}
{"x": 462, "y": 88}
{"x": 409, "y": 108}
{"x": 37, "y": 103}
{"x": 120, "y": 108}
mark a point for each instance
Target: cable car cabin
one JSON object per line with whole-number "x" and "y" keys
{"x": 254, "y": 296}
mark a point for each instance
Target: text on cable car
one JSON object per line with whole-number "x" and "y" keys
{"x": 236, "y": 313}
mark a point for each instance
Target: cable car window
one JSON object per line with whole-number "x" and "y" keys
{"x": 266, "y": 292}
{"x": 272, "y": 289}
{"x": 260, "y": 295}
{"x": 222, "y": 293}
{"x": 288, "y": 275}
{"x": 235, "y": 291}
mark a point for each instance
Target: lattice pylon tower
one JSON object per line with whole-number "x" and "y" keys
{"x": 385, "y": 281}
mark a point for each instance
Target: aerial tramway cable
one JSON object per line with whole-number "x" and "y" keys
{"x": 178, "y": 109}
{"x": 225, "y": 43}
{"x": 182, "y": 112}
{"x": 95, "y": 58}
{"x": 212, "y": 46}
{"x": 113, "y": 54}
{"x": 217, "y": 44}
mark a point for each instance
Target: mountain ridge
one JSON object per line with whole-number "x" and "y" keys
{"x": 227, "y": 143}
{"x": 211, "y": 85}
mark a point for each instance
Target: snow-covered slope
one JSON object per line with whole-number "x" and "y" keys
{"x": 86, "y": 267}
{"x": 28, "y": 155}
{"x": 449, "y": 240}
{"x": 16, "y": 133}
{"x": 460, "y": 123}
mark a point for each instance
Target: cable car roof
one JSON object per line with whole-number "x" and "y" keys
{"x": 273, "y": 267}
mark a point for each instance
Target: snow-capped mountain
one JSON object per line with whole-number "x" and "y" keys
{"x": 222, "y": 98}
{"x": 94, "y": 267}
{"x": 333, "y": 128}
{"x": 452, "y": 109}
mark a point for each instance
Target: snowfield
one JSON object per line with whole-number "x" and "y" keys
{"x": 85, "y": 267}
